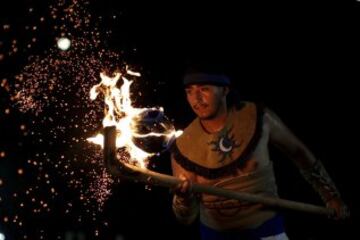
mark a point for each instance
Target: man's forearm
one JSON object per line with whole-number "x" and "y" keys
{"x": 318, "y": 177}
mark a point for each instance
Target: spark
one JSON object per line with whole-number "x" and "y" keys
{"x": 52, "y": 88}
{"x": 64, "y": 43}
{"x": 20, "y": 171}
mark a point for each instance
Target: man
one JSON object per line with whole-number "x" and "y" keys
{"x": 227, "y": 146}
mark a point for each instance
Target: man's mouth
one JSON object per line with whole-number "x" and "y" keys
{"x": 200, "y": 107}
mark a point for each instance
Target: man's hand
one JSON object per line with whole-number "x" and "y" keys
{"x": 341, "y": 211}
{"x": 185, "y": 203}
{"x": 184, "y": 189}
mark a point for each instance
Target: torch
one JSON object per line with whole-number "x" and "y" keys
{"x": 132, "y": 172}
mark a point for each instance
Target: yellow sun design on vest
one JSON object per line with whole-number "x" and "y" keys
{"x": 224, "y": 145}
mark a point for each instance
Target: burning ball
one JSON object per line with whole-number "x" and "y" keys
{"x": 154, "y": 130}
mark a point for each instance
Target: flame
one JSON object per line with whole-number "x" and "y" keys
{"x": 124, "y": 116}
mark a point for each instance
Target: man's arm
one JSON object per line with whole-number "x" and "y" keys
{"x": 185, "y": 203}
{"x": 311, "y": 168}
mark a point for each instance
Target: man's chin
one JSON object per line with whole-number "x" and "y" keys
{"x": 206, "y": 116}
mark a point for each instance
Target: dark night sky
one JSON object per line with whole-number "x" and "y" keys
{"x": 298, "y": 58}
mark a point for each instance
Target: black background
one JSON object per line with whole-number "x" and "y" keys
{"x": 299, "y": 58}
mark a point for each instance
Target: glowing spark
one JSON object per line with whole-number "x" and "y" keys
{"x": 133, "y": 73}
{"x": 101, "y": 188}
{"x": 63, "y": 43}
{"x": 41, "y": 88}
{"x": 98, "y": 139}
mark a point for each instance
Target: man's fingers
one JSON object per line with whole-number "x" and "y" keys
{"x": 340, "y": 213}
{"x": 184, "y": 187}
{"x": 182, "y": 177}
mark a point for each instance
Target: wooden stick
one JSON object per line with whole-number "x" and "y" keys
{"x": 137, "y": 174}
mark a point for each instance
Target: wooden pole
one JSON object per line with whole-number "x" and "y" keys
{"x": 137, "y": 174}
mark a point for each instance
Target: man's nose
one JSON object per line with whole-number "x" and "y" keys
{"x": 198, "y": 96}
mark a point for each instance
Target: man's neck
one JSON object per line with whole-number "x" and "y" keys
{"x": 217, "y": 123}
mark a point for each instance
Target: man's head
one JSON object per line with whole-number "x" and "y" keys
{"x": 206, "y": 93}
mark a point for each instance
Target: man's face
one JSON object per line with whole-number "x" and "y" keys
{"x": 205, "y": 100}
